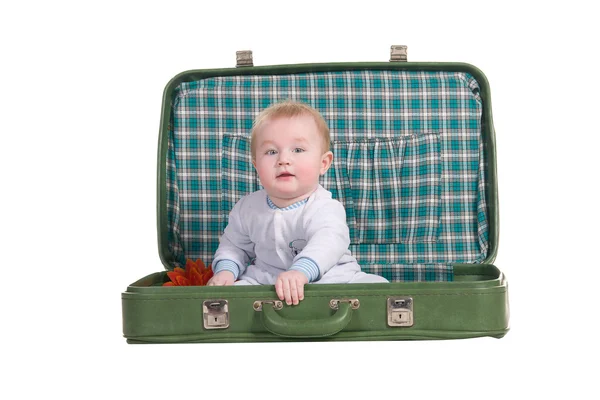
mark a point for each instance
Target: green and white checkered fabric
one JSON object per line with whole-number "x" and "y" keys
{"x": 408, "y": 163}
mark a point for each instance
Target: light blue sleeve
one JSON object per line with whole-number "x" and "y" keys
{"x": 308, "y": 267}
{"x": 227, "y": 265}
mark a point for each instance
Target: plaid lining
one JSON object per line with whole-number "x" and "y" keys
{"x": 413, "y": 272}
{"x": 408, "y": 163}
{"x": 174, "y": 231}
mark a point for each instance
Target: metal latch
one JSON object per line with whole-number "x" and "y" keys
{"x": 258, "y": 304}
{"x": 398, "y": 53}
{"x": 244, "y": 58}
{"x": 216, "y": 314}
{"x": 334, "y": 304}
{"x": 400, "y": 311}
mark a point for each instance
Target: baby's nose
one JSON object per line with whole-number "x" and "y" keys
{"x": 283, "y": 160}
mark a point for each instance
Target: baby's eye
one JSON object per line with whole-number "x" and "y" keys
{"x": 270, "y": 152}
{"x": 298, "y": 150}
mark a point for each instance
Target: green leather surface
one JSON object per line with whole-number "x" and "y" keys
{"x": 471, "y": 307}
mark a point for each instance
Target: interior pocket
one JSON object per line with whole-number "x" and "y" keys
{"x": 337, "y": 182}
{"x": 371, "y": 171}
{"x": 238, "y": 177}
{"x": 420, "y": 193}
{"x": 393, "y": 188}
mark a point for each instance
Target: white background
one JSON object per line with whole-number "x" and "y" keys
{"x": 81, "y": 90}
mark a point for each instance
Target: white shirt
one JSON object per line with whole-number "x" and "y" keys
{"x": 310, "y": 235}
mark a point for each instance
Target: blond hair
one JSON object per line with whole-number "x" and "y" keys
{"x": 289, "y": 109}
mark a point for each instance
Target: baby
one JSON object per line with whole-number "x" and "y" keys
{"x": 292, "y": 232}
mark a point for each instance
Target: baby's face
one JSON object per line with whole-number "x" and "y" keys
{"x": 289, "y": 158}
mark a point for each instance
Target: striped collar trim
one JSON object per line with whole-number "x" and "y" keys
{"x": 290, "y": 207}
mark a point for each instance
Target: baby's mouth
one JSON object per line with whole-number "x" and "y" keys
{"x": 284, "y": 175}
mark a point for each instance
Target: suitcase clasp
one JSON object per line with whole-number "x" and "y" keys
{"x": 334, "y": 304}
{"x": 400, "y": 311}
{"x": 216, "y": 314}
{"x": 258, "y": 304}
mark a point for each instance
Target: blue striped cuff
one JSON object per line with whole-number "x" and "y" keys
{"x": 308, "y": 267}
{"x": 227, "y": 265}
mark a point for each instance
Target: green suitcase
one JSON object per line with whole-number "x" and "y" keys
{"x": 414, "y": 166}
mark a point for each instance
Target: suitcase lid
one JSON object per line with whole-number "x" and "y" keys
{"x": 414, "y": 159}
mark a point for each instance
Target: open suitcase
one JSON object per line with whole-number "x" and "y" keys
{"x": 414, "y": 165}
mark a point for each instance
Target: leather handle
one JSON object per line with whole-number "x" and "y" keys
{"x": 295, "y": 328}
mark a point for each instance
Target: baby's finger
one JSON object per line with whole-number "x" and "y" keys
{"x": 294, "y": 292}
{"x": 279, "y": 288}
{"x": 300, "y": 291}
{"x": 286, "y": 292}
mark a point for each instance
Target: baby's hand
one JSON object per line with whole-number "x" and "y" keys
{"x": 223, "y": 278}
{"x": 290, "y": 286}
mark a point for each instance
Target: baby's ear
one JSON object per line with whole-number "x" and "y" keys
{"x": 326, "y": 161}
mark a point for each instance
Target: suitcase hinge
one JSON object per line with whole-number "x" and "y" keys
{"x": 398, "y": 53}
{"x": 400, "y": 311}
{"x": 244, "y": 58}
{"x": 216, "y": 314}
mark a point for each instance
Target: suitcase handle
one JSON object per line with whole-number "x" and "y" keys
{"x": 295, "y": 328}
